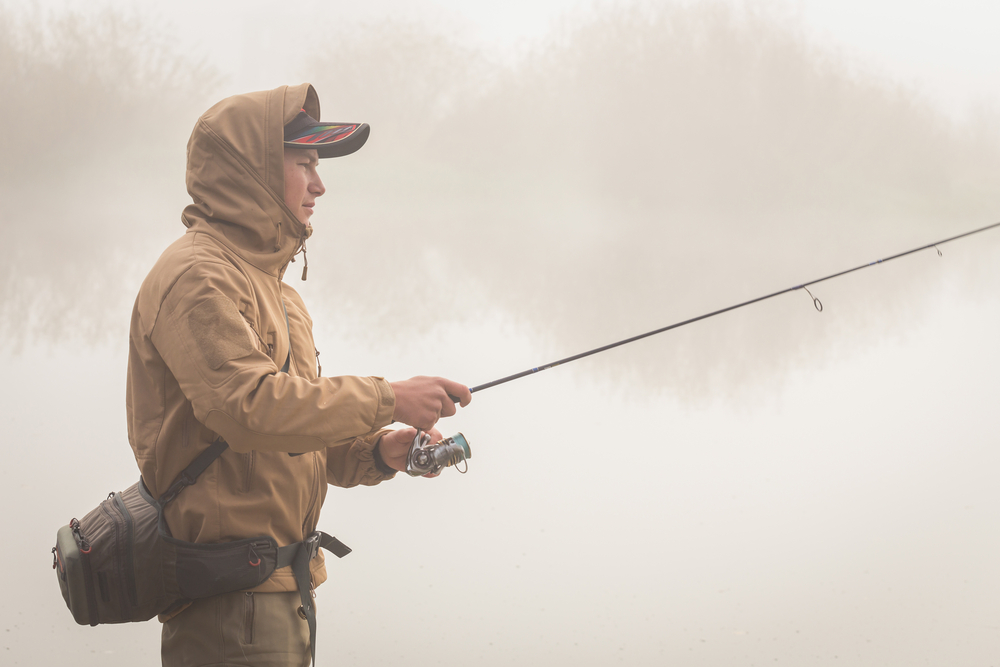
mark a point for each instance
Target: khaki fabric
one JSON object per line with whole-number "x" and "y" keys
{"x": 239, "y": 630}
{"x": 208, "y": 338}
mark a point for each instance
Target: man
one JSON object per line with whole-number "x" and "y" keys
{"x": 221, "y": 347}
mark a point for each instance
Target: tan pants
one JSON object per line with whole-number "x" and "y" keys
{"x": 239, "y": 630}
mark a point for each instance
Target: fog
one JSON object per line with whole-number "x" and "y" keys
{"x": 770, "y": 484}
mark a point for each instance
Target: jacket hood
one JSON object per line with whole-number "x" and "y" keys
{"x": 235, "y": 175}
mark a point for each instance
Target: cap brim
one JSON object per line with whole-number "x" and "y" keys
{"x": 332, "y": 139}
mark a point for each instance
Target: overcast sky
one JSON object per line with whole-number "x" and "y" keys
{"x": 946, "y": 49}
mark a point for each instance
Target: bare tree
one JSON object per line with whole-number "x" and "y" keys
{"x": 95, "y": 115}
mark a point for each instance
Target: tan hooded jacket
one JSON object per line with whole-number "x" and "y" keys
{"x": 208, "y": 339}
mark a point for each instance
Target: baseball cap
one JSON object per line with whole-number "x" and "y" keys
{"x": 329, "y": 139}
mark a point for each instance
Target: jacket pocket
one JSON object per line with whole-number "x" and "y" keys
{"x": 249, "y": 612}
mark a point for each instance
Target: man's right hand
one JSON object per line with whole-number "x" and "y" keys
{"x": 422, "y": 400}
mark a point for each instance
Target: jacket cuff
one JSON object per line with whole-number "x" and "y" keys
{"x": 380, "y": 463}
{"x": 368, "y": 453}
{"x": 386, "y": 403}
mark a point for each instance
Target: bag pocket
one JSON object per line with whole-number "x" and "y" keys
{"x": 68, "y": 561}
{"x": 204, "y": 570}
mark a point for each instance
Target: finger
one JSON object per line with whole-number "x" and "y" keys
{"x": 406, "y": 434}
{"x": 457, "y": 392}
{"x": 448, "y": 409}
{"x": 430, "y": 427}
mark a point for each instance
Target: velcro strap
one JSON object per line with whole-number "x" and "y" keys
{"x": 333, "y": 545}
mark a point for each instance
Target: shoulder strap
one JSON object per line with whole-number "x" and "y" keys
{"x": 190, "y": 474}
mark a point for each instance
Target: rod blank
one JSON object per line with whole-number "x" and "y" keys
{"x": 677, "y": 325}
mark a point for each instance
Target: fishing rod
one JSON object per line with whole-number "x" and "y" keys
{"x": 804, "y": 286}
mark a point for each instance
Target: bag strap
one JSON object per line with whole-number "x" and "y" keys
{"x": 190, "y": 474}
{"x": 299, "y": 555}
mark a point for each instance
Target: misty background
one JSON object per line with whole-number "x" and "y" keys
{"x": 773, "y": 484}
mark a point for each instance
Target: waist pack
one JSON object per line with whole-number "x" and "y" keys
{"x": 120, "y": 563}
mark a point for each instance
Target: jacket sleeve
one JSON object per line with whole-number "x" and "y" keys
{"x": 237, "y": 391}
{"x": 353, "y": 462}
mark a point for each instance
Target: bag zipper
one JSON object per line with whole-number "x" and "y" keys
{"x": 129, "y": 541}
{"x": 93, "y": 611}
{"x": 117, "y": 522}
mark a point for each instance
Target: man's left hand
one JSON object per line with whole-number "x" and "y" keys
{"x": 395, "y": 445}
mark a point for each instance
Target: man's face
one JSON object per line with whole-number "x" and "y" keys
{"x": 302, "y": 182}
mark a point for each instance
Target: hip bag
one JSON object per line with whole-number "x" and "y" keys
{"x": 121, "y": 564}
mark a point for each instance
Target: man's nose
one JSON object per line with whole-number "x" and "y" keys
{"x": 316, "y": 187}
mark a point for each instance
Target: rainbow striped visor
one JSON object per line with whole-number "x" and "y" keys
{"x": 329, "y": 139}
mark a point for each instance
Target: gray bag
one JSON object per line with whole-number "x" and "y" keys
{"x": 120, "y": 563}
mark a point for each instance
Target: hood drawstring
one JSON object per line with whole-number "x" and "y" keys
{"x": 277, "y": 245}
{"x": 305, "y": 259}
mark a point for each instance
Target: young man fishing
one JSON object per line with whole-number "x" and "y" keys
{"x": 222, "y": 349}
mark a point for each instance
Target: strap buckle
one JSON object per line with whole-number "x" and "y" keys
{"x": 182, "y": 482}
{"x": 311, "y": 544}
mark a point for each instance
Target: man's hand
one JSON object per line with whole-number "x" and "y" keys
{"x": 421, "y": 401}
{"x": 395, "y": 445}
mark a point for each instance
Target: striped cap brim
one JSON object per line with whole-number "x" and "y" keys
{"x": 329, "y": 139}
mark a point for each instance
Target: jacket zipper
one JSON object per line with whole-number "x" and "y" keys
{"x": 288, "y": 331}
{"x": 308, "y": 519}
{"x": 263, "y": 345}
{"x": 249, "y": 462}
{"x": 129, "y": 565}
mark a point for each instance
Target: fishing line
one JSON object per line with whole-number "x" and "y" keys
{"x": 804, "y": 286}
